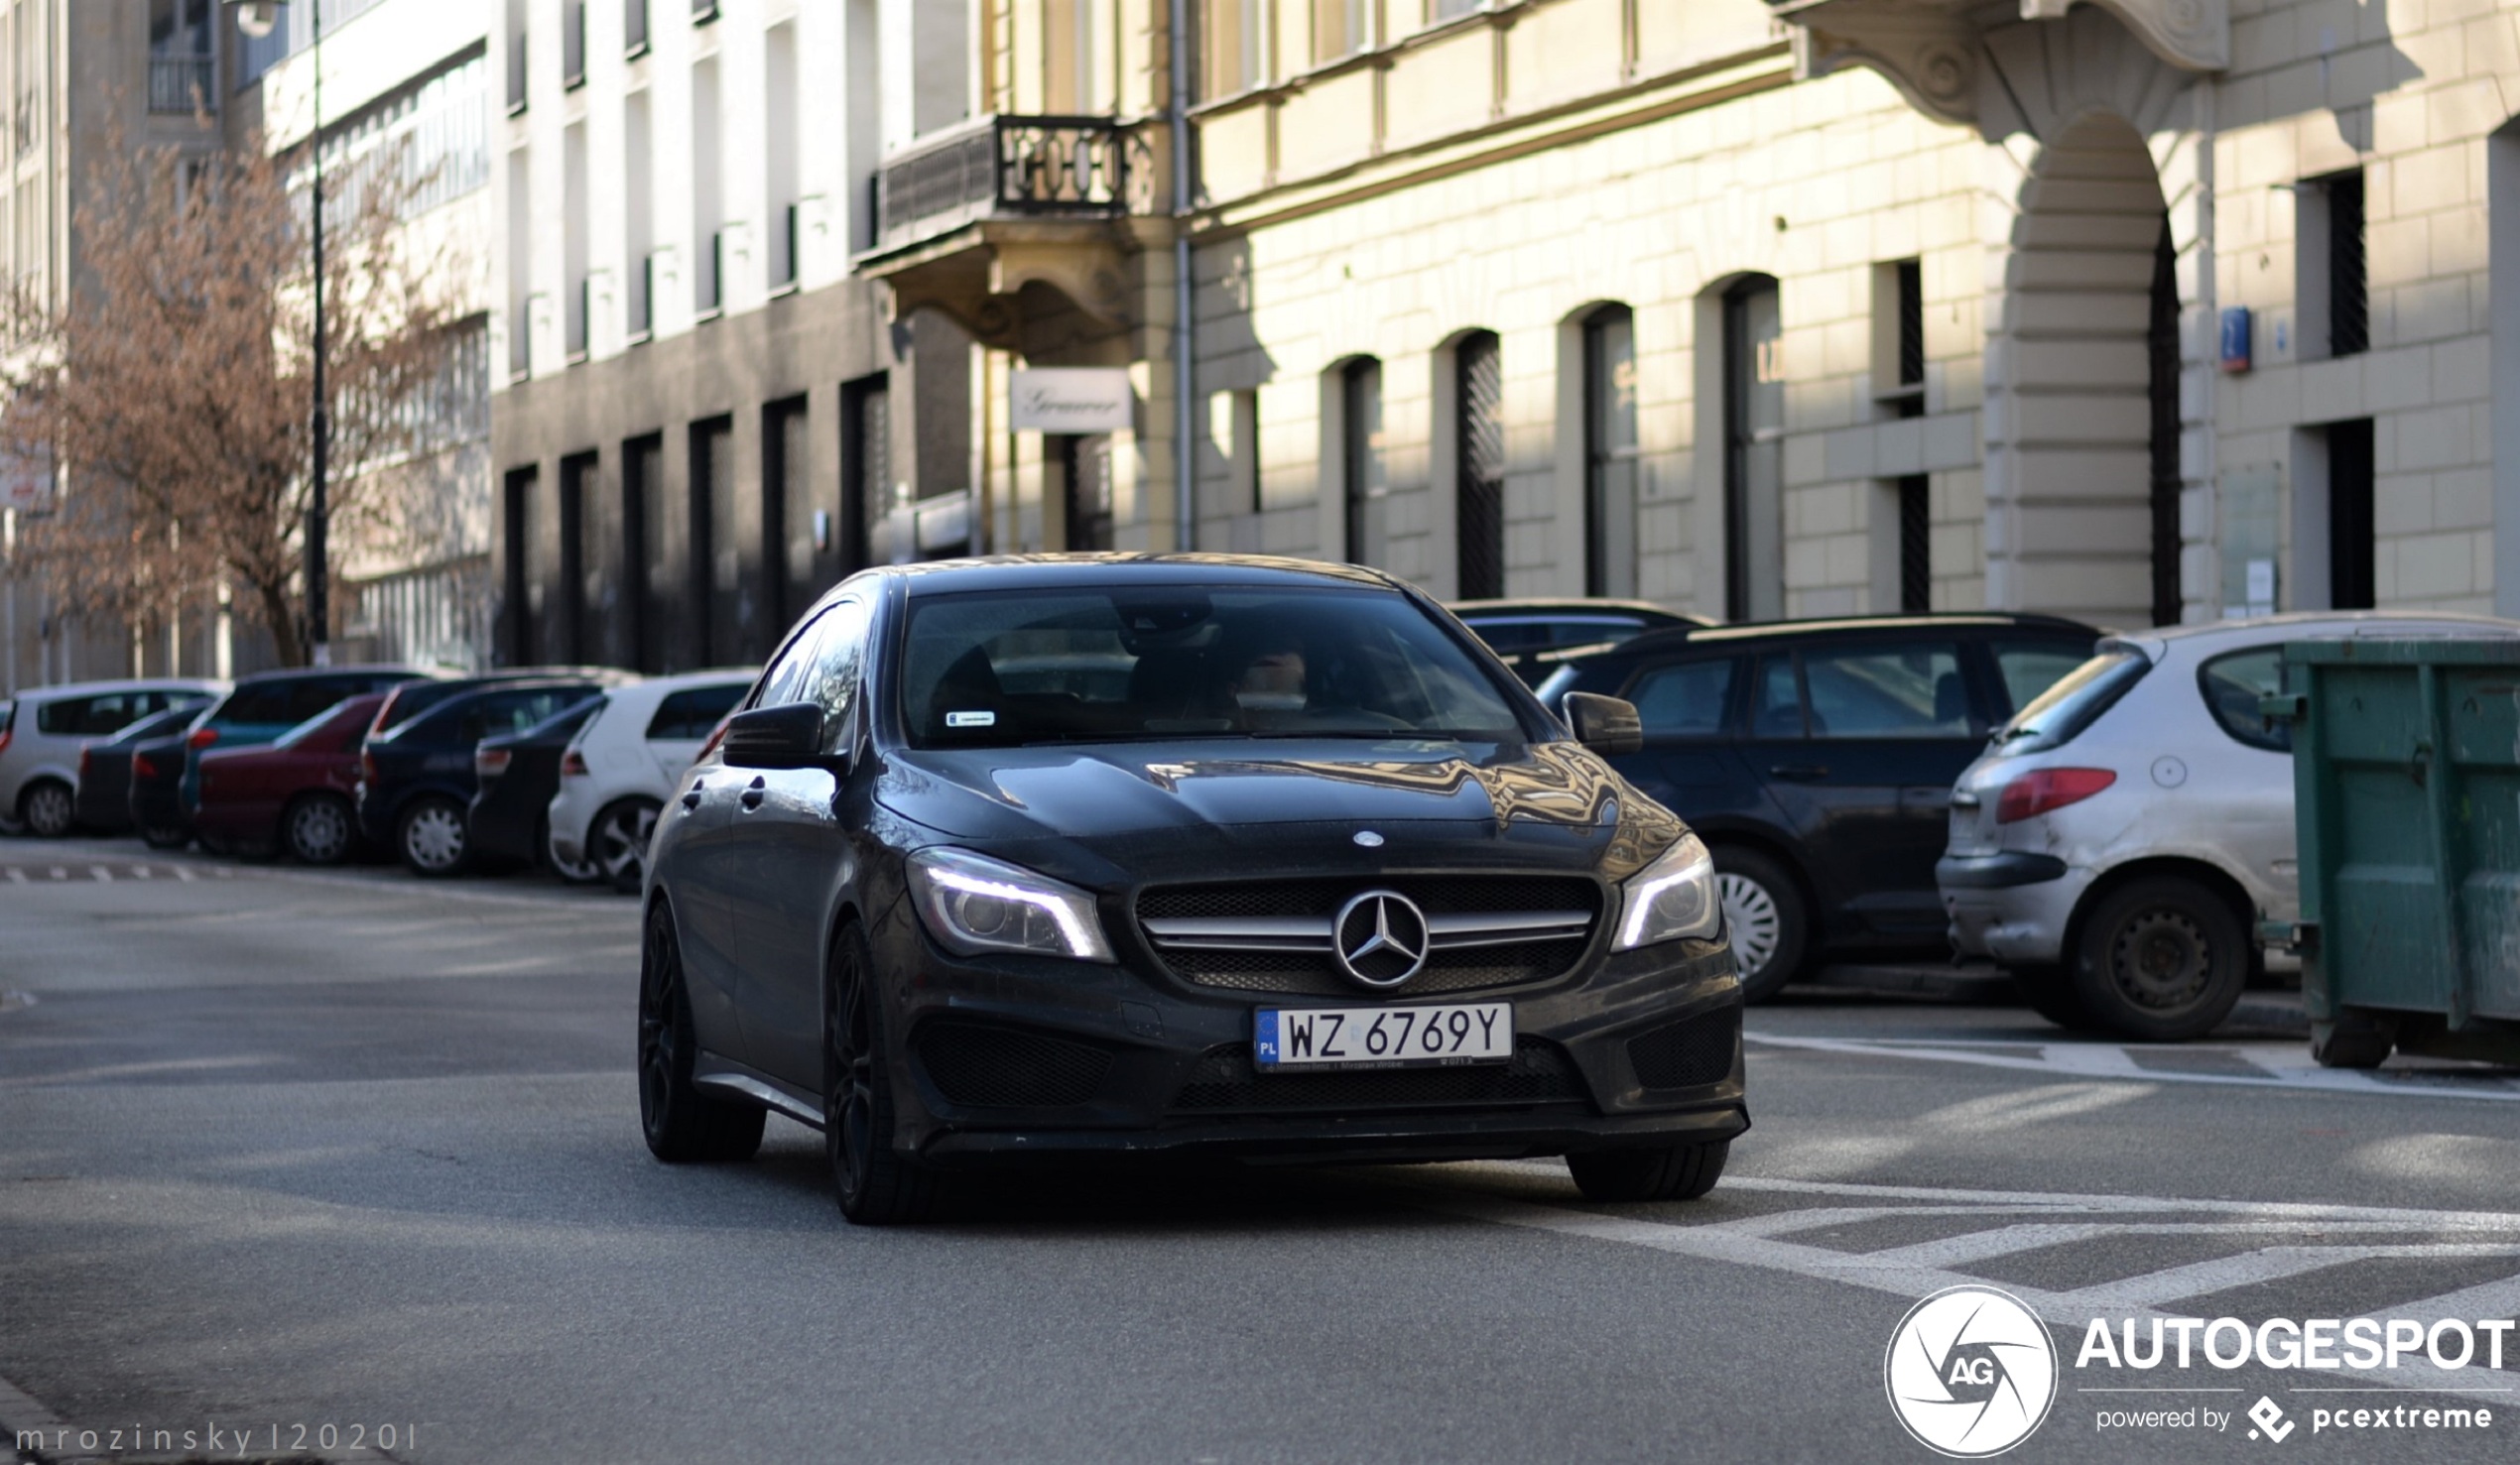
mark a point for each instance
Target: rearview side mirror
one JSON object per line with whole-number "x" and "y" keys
{"x": 1609, "y": 726}
{"x": 789, "y": 736}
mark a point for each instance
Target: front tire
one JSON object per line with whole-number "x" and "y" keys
{"x": 432, "y": 837}
{"x": 2051, "y": 993}
{"x": 876, "y": 1184}
{"x": 1765, "y": 916}
{"x": 1658, "y": 1172}
{"x": 682, "y": 1125}
{"x": 617, "y": 842}
{"x": 48, "y": 809}
{"x": 318, "y": 829}
{"x": 2161, "y": 960}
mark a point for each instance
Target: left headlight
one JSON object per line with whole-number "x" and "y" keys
{"x": 972, "y": 903}
{"x": 1671, "y": 898}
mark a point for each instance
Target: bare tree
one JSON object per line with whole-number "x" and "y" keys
{"x": 173, "y": 378}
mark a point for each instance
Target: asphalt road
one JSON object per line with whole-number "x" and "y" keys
{"x": 280, "y": 1149}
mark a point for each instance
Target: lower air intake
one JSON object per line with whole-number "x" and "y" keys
{"x": 998, "y": 1068}
{"x": 1688, "y": 1053}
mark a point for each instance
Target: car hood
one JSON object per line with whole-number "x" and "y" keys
{"x": 1082, "y": 792}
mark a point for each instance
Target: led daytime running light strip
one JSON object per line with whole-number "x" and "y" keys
{"x": 1080, "y": 943}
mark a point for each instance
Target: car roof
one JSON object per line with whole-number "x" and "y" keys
{"x": 1678, "y": 637}
{"x": 503, "y": 685}
{"x": 2296, "y": 619}
{"x": 303, "y": 673}
{"x": 1557, "y": 607}
{"x": 1094, "y": 571}
{"x": 208, "y": 685}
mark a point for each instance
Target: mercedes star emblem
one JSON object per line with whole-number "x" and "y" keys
{"x": 1380, "y": 939}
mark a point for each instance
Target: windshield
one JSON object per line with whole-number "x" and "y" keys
{"x": 2058, "y": 715}
{"x": 1112, "y": 665}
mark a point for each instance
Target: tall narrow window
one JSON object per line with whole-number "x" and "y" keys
{"x": 2349, "y": 275}
{"x": 634, "y": 26}
{"x": 569, "y": 641}
{"x": 182, "y": 65}
{"x": 1754, "y": 451}
{"x": 1068, "y": 56}
{"x": 573, "y": 45}
{"x": 520, "y": 78}
{"x": 1234, "y": 39}
{"x": 1085, "y": 465}
{"x": 1480, "y": 459}
{"x": 709, "y": 220}
{"x": 1898, "y": 348}
{"x": 638, "y": 210}
{"x": 786, "y": 560}
{"x": 1609, "y": 452}
{"x": 721, "y": 610}
{"x": 866, "y": 474}
{"x": 579, "y": 300}
{"x": 1360, "y": 461}
{"x": 517, "y": 545}
{"x": 779, "y": 102}
{"x": 646, "y": 572}
{"x": 2161, "y": 339}
{"x": 2352, "y": 553}
{"x": 1340, "y": 28}
{"x": 1916, "y": 543}
{"x": 519, "y": 262}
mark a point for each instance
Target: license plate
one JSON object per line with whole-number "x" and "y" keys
{"x": 1382, "y": 1036}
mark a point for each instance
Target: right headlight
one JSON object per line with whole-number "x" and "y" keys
{"x": 1671, "y": 898}
{"x": 972, "y": 903}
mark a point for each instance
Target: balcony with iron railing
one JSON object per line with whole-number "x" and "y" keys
{"x": 1006, "y": 166}
{"x": 182, "y": 83}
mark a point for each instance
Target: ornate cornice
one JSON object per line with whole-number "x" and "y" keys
{"x": 1929, "y": 49}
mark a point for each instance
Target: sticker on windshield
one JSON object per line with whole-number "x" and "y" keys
{"x": 970, "y": 720}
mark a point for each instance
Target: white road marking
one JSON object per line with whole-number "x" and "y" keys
{"x": 17, "y": 875}
{"x": 2286, "y": 1065}
{"x": 182, "y": 874}
{"x": 100, "y": 874}
{"x": 1914, "y": 1270}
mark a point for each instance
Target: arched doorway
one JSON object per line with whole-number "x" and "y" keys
{"x": 2083, "y": 411}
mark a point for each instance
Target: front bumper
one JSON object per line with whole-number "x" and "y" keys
{"x": 1146, "y": 1064}
{"x": 2011, "y": 906}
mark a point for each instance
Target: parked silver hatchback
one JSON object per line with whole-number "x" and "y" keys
{"x": 2121, "y": 840}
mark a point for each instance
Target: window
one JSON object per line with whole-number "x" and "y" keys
{"x": 1685, "y": 700}
{"x": 778, "y": 156}
{"x": 725, "y": 616}
{"x": 1234, "y": 32}
{"x": 708, "y": 221}
{"x": 1898, "y": 337}
{"x": 519, "y": 535}
{"x": 1361, "y": 463}
{"x": 574, "y": 241}
{"x": 1444, "y": 10}
{"x": 647, "y": 562}
{"x": 182, "y": 68}
{"x": 998, "y": 669}
{"x": 690, "y": 716}
{"x": 1776, "y": 703}
{"x": 1887, "y": 691}
{"x": 2029, "y": 667}
{"x": 638, "y": 207}
{"x": 1479, "y": 461}
{"x": 866, "y": 471}
{"x": 569, "y": 641}
{"x": 519, "y": 77}
{"x": 1609, "y": 452}
{"x": 820, "y": 666}
{"x": 94, "y": 717}
{"x": 1754, "y": 453}
{"x": 788, "y": 570}
{"x": 1340, "y": 28}
{"x": 1916, "y": 543}
{"x": 634, "y": 26}
{"x": 2232, "y": 683}
{"x": 2348, "y": 281}
{"x": 573, "y": 45}
{"x": 2353, "y": 555}
{"x": 1084, "y": 473}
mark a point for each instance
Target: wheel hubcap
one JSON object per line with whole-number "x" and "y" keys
{"x": 1749, "y": 912}
{"x": 47, "y": 810}
{"x": 435, "y": 839}
{"x": 850, "y": 1109}
{"x": 320, "y": 832}
{"x": 624, "y": 841}
{"x": 2161, "y": 961}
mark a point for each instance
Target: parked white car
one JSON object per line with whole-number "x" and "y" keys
{"x": 619, "y": 769}
{"x": 42, "y": 732}
{"x": 2123, "y": 839}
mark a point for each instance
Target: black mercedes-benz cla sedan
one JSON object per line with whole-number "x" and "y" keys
{"x": 1176, "y": 854}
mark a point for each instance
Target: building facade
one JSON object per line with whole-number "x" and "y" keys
{"x": 2143, "y": 310}
{"x": 703, "y": 414}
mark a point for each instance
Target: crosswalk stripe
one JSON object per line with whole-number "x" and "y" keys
{"x": 182, "y": 874}
{"x": 100, "y": 874}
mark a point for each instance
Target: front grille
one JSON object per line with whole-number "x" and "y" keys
{"x": 984, "y": 1066}
{"x": 1687, "y": 1054}
{"x": 1225, "y": 1080}
{"x": 1275, "y": 936}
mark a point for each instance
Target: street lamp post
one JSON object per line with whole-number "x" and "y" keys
{"x": 256, "y": 18}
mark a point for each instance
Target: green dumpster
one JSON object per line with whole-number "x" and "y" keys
{"x": 2405, "y": 778}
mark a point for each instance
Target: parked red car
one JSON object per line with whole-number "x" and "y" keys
{"x": 294, "y": 791}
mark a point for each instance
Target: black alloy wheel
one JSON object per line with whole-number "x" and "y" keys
{"x": 681, "y": 1124}
{"x": 317, "y": 829}
{"x": 1660, "y": 1173}
{"x": 431, "y": 836}
{"x": 2162, "y": 959}
{"x": 48, "y": 809}
{"x": 1765, "y": 919}
{"x": 618, "y": 843}
{"x": 877, "y": 1185}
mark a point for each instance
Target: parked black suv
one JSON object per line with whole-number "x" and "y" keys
{"x": 1818, "y": 757}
